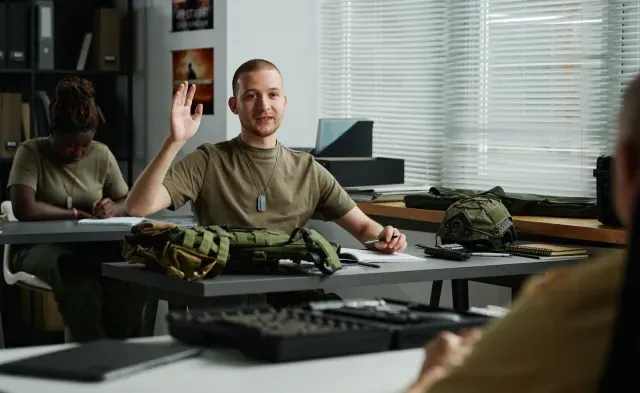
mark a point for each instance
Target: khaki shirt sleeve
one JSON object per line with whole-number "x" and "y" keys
{"x": 185, "y": 178}
{"x": 334, "y": 201}
{"x": 553, "y": 340}
{"x": 25, "y": 168}
{"x": 115, "y": 187}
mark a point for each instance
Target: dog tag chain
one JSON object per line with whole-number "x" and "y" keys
{"x": 261, "y": 201}
{"x": 69, "y": 198}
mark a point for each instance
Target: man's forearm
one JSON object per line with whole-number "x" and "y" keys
{"x": 144, "y": 197}
{"x": 369, "y": 232}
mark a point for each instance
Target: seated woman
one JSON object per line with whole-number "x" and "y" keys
{"x": 70, "y": 176}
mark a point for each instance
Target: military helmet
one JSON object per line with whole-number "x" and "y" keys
{"x": 479, "y": 221}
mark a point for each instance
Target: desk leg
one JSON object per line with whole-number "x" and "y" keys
{"x": 150, "y": 312}
{"x": 436, "y": 291}
{"x": 460, "y": 293}
{"x": 1, "y": 332}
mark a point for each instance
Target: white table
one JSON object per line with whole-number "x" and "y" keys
{"x": 229, "y": 372}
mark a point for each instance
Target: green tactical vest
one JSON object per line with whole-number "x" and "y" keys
{"x": 193, "y": 253}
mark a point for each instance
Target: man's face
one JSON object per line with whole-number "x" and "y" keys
{"x": 259, "y": 103}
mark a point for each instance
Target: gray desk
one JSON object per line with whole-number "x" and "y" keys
{"x": 180, "y": 291}
{"x": 23, "y": 232}
{"x": 29, "y": 232}
{"x": 227, "y": 370}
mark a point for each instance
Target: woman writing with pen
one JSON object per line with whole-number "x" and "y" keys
{"x": 69, "y": 176}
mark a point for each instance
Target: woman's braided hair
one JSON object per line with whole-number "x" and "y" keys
{"x": 73, "y": 108}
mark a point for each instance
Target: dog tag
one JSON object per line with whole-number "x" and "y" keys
{"x": 262, "y": 203}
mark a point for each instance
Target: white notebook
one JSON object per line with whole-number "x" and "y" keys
{"x": 112, "y": 221}
{"x": 378, "y": 256}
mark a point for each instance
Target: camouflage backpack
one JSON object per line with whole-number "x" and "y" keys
{"x": 480, "y": 221}
{"x": 193, "y": 253}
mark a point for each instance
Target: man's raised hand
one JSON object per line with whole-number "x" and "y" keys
{"x": 183, "y": 124}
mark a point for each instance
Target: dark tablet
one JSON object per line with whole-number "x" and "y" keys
{"x": 100, "y": 360}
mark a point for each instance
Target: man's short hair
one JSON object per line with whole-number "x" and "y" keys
{"x": 630, "y": 111}
{"x": 250, "y": 66}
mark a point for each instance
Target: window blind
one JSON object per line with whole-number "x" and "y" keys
{"x": 624, "y": 54}
{"x": 528, "y": 107}
{"x": 384, "y": 60}
{"x": 477, "y": 93}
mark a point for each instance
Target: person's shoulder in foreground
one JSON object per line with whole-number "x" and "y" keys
{"x": 554, "y": 339}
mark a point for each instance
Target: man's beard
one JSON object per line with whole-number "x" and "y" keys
{"x": 262, "y": 132}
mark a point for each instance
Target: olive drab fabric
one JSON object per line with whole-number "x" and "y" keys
{"x": 556, "y": 338}
{"x": 193, "y": 253}
{"x": 477, "y": 221}
{"x": 518, "y": 204}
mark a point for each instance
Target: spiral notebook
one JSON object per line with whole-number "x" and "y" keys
{"x": 112, "y": 221}
{"x": 544, "y": 250}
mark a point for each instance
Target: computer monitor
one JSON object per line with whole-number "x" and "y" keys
{"x": 344, "y": 137}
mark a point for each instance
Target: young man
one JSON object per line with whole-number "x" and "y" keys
{"x": 251, "y": 180}
{"x": 557, "y": 336}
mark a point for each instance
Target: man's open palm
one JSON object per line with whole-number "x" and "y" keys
{"x": 183, "y": 124}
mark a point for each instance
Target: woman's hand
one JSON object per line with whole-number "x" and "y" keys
{"x": 105, "y": 208}
{"x": 83, "y": 214}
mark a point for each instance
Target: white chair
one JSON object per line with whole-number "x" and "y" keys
{"x": 22, "y": 279}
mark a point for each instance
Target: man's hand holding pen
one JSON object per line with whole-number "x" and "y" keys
{"x": 390, "y": 240}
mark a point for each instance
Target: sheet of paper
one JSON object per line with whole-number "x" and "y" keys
{"x": 112, "y": 221}
{"x": 378, "y": 256}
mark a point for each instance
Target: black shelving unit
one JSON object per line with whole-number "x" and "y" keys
{"x": 114, "y": 89}
{"x": 114, "y": 95}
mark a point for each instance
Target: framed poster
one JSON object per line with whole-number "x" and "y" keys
{"x": 189, "y": 15}
{"x": 196, "y": 67}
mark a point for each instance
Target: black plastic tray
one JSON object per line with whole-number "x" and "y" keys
{"x": 412, "y": 334}
{"x": 268, "y": 334}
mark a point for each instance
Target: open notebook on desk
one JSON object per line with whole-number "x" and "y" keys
{"x": 182, "y": 221}
{"x": 112, "y": 221}
{"x": 362, "y": 255}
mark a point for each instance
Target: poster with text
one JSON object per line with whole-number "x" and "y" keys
{"x": 189, "y": 15}
{"x": 196, "y": 67}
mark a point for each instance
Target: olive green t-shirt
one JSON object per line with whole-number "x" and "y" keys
{"x": 217, "y": 178}
{"x": 94, "y": 177}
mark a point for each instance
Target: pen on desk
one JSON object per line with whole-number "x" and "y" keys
{"x": 490, "y": 254}
{"x": 368, "y": 264}
{"x": 379, "y": 240}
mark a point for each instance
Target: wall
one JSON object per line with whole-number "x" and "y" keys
{"x": 159, "y": 43}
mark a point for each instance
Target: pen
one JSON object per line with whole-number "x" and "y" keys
{"x": 490, "y": 254}
{"x": 368, "y": 264}
{"x": 379, "y": 240}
